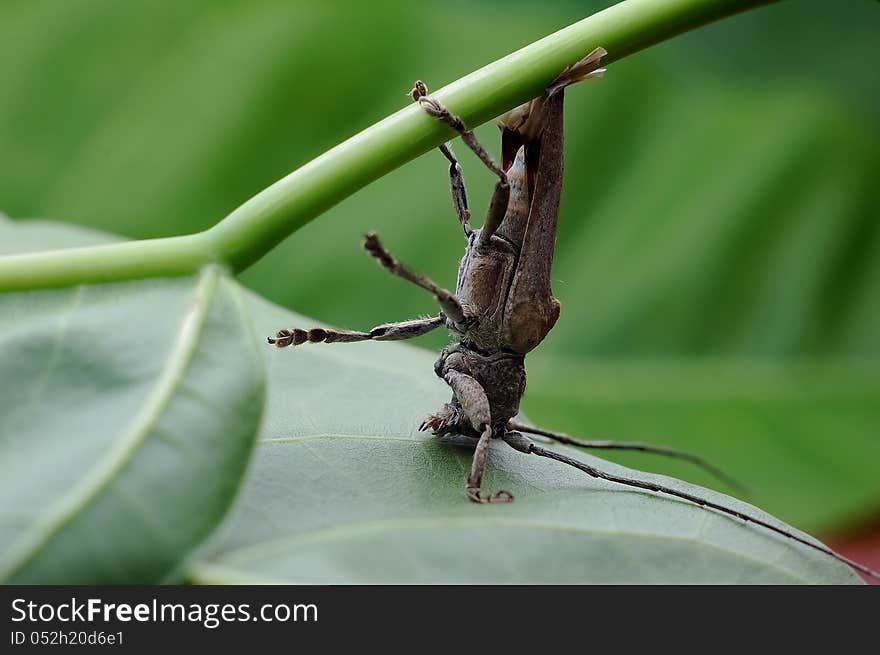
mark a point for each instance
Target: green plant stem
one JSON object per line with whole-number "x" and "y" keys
{"x": 169, "y": 257}
{"x": 265, "y": 220}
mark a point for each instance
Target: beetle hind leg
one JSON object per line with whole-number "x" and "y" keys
{"x": 439, "y": 111}
{"x": 501, "y": 196}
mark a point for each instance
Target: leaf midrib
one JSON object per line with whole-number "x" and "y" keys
{"x": 262, "y": 550}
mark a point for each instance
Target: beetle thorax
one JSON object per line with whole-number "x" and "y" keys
{"x": 502, "y": 375}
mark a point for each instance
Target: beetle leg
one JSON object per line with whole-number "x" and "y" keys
{"x": 498, "y": 204}
{"x": 456, "y": 178}
{"x": 473, "y": 400}
{"x": 385, "y": 332}
{"x": 449, "y": 302}
{"x": 447, "y": 420}
{"x": 459, "y": 192}
{"x": 441, "y": 113}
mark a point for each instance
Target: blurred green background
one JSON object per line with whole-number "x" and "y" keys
{"x": 719, "y": 250}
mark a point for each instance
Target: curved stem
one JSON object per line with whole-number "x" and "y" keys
{"x": 127, "y": 260}
{"x": 265, "y": 220}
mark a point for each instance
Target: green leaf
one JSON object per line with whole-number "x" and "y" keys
{"x": 719, "y": 201}
{"x": 718, "y": 224}
{"x": 343, "y": 489}
{"x": 801, "y": 434}
{"x": 128, "y": 414}
{"x": 710, "y": 236}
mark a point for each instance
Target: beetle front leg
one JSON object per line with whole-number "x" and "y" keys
{"x": 473, "y": 400}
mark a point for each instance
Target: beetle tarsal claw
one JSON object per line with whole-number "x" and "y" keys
{"x": 432, "y": 106}
{"x": 419, "y": 90}
{"x": 477, "y": 495}
{"x": 282, "y": 338}
{"x": 445, "y": 421}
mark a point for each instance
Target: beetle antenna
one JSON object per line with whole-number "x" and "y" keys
{"x": 526, "y": 445}
{"x": 603, "y": 444}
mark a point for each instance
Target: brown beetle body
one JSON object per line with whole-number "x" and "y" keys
{"x": 504, "y": 278}
{"x": 504, "y": 281}
{"x": 503, "y": 305}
